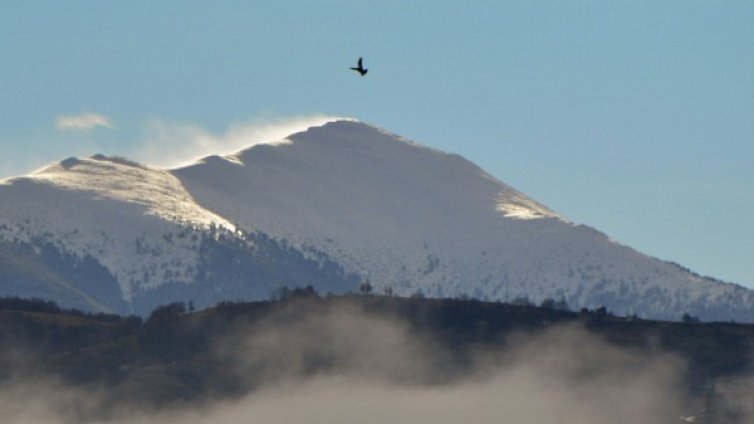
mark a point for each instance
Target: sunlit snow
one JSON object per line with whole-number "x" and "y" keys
{"x": 406, "y": 216}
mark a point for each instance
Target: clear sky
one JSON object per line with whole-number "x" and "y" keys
{"x": 634, "y": 117}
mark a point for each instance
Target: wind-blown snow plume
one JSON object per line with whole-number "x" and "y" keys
{"x": 82, "y": 122}
{"x": 168, "y": 144}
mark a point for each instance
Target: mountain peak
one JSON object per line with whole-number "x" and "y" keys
{"x": 408, "y": 217}
{"x": 95, "y": 164}
{"x": 157, "y": 191}
{"x": 340, "y": 153}
{"x": 353, "y": 130}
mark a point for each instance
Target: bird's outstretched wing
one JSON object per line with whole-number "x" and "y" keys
{"x": 360, "y": 68}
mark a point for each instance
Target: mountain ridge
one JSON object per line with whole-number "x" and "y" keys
{"x": 376, "y": 206}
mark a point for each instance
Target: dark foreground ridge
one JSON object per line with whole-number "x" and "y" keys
{"x": 178, "y": 355}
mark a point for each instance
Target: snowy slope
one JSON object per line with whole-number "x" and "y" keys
{"x": 329, "y": 206}
{"x": 107, "y": 234}
{"x": 111, "y": 209}
{"x": 417, "y": 219}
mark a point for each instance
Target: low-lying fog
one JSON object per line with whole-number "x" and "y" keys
{"x": 348, "y": 366}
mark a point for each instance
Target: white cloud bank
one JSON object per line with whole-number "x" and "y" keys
{"x": 82, "y": 122}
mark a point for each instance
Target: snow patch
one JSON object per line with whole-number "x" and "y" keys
{"x": 518, "y": 212}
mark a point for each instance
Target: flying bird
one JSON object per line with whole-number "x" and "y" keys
{"x": 360, "y": 68}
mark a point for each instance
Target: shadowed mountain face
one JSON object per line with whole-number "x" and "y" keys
{"x": 337, "y": 204}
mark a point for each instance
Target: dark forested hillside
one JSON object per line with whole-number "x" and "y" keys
{"x": 179, "y": 355}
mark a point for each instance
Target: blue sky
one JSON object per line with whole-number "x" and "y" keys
{"x": 634, "y": 117}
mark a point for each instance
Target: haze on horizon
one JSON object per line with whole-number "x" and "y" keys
{"x": 631, "y": 118}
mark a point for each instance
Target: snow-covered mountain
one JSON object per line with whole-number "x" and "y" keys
{"x": 112, "y": 235}
{"x": 332, "y": 206}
